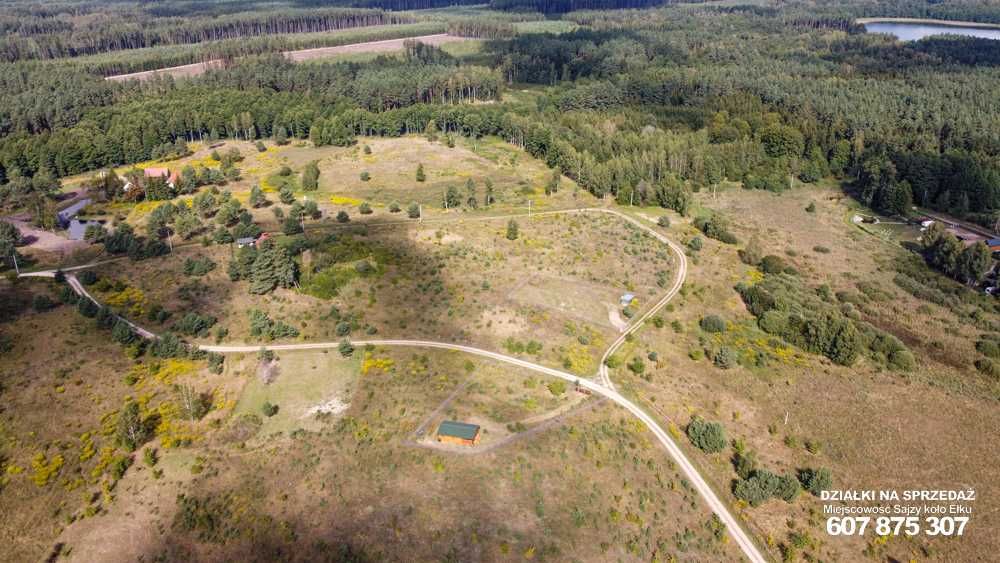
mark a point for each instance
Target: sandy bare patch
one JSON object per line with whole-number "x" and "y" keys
{"x": 333, "y": 406}
{"x": 615, "y": 318}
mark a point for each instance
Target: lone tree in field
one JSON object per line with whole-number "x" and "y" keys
{"x": 553, "y": 184}
{"x": 420, "y": 173}
{"x": 310, "y": 177}
{"x": 413, "y": 211}
{"x": 131, "y": 432}
{"x": 257, "y": 198}
{"x": 488, "y": 199}
{"x": 512, "y": 230}
{"x": 280, "y": 135}
{"x": 451, "y": 198}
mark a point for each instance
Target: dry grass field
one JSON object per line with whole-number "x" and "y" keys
{"x": 875, "y": 428}
{"x": 349, "y": 484}
{"x": 460, "y": 281}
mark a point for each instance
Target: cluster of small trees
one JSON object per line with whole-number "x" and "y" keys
{"x": 755, "y": 485}
{"x": 266, "y": 268}
{"x": 810, "y": 320}
{"x": 124, "y": 241}
{"x": 263, "y": 326}
{"x": 715, "y": 226}
{"x": 943, "y": 251}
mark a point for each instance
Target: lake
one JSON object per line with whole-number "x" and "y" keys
{"x": 914, "y": 31}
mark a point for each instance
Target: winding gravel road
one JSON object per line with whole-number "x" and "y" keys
{"x": 603, "y": 387}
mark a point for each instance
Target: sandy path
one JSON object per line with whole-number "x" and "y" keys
{"x": 385, "y": 46}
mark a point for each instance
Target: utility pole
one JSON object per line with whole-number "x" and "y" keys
{"x": 420, "y": 212}
{"x": 529, "y": 209}
{"x": 13, "y": 254}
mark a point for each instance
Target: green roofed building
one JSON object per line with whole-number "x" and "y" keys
{"x": 458, "y": 433}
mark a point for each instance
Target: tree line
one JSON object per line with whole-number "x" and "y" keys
{"x": 109, "y": 32}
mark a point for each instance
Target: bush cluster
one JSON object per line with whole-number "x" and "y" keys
{"x": 707, "y": 436}
{"x": 715, "y": 226}
{"x": 262, "y": 326}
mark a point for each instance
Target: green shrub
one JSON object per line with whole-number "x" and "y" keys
{"x": 557, "y": 387}
{"x": 773, "y": 264}
{"x": 87, "y": 277}
{"x": 815, "y": 480}
{"x": 695, "y": 244}
{"x": 988, "y": 348}
{"x": 269, "y": 409}
{"x": 663, "y": 221}
{"x": 42, "y": 303}
{"x": 811, "y": 208}
{"x": 715, "y": 226}
{"x": 902, "y": 360}
{"x": 988, "y": 367}
{"x": 709, "y": 437}
{"x": 712, "y": 323}
{"x": 821, "y": 249}
{"x": 725, "y": 358}
{"x": 773, "y": 322}
{"x": 637, "y": 366}
{"x": 198, "y": 266}
{"x": 262, "y": 326}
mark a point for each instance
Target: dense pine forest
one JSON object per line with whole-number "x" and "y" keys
{"x": 647, "y": 105}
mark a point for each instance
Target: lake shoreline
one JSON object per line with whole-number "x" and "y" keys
{"x": 949, "y": 23}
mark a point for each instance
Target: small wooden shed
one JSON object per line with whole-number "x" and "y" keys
{"x": 460, "y": 433}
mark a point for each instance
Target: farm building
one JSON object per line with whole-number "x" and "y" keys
{"x": 250, "y": 241}
{"x": 994, "y": 244}
{"x": 460, "y": 433}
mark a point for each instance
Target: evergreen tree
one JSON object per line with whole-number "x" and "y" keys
{"x": 420, "y": 173}
{"x": 472, "y": 200}
{"x": 272, "y": 268}
{"x": 257, "y": 198}
{"x": 310, "y": 177}
{"x": 512, "y": 230}
{"x": 280, "y": 136}
{"x": 451, "y": 198}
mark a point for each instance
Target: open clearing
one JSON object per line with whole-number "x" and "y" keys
{"x": 384, "y": 46}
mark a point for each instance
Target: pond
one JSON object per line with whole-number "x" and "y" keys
{"x": 912, "y": 31}
{"x": 78, "y": 227}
